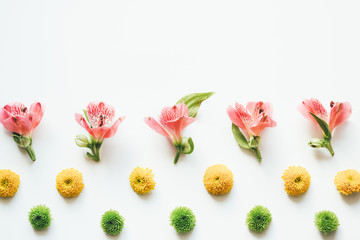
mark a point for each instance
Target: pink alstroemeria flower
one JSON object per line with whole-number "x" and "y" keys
{"x": 17, "y": 118}
{"x": 339, "y": 113}
{"x": 252, "y": 120}
{"x": 171, "y": 123}
{"x": 98, "y": 122}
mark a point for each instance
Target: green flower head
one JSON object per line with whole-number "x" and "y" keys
{"x": 112, "y": 222}
{"x": 40, "y": 217}
{"x": 183, "y": 219}
{"x": 258, "y": 219}
{"x": 326, "y": 221}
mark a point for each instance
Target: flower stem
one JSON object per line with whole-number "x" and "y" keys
{"x": 31, "y": 152}
{"x": 177, "y": 157}
{"x": 258, "y": 154}
{"x": 329, "y": 147}
{"x": 95, "y": 154}
{"x": 94, "y": 146}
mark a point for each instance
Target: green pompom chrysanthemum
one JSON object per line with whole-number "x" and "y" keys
{"x": 258, "y": 219}
{"x": 326, "y": 221}
{"x": 183, "y": 219}
{"x": 112, "y": 222}
{"x": 40, "y": 217}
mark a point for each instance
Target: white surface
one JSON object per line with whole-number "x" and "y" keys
{"x": 143, "y": 55}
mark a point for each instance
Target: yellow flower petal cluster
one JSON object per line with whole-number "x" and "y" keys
{"x": 296, "y": 180}
{"x": 9, "y": 183}
{"x": 142, "y": 180}
{"x": 218, "y": 179}
{"x": 69, "y": 182}
{"x": 347, "y": 181}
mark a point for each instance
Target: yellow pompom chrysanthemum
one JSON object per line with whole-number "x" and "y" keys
{"x": 9, "y": 183}
{"x": 69, "y": 182}
{"x": 142, "y": 180}
{"x": 218, "y": 179}
{"x": 296, "y": 180}
{"x": 347, "y": 181}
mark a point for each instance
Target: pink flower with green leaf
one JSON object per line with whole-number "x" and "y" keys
{"x": 99, "y": 121}
{"x": 21, "y": 121}
{"x": 174, "y": 119}
{"x": 252, "y": 120}
{"x": 171, "y": 123}
{"x": 316, "y": 112}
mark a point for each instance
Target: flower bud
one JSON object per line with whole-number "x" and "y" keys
{"x": 81, "y": 141}
{"x": 318, "y": 143}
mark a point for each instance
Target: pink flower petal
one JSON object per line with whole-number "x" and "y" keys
{"x": 177, "y": 126}
{"x": 3, "y": 115}
{"x": 340, "y": 112}
{"x": 36, "y": 114}
{"x": 237, "y": 116}
{"x": 10, "y": 125}
{"x": 111, "y": 132}
{"x": 19, "y": 124}
{"x": 156, "y": 126}
{"x": 81, "y": 120}
{"x": 100, "y": 132}
{"x": 261, "y": 125}
{"x": 7, "y": 108}
{"x": 182, "y": 110}
{"x": 314, "y": 106}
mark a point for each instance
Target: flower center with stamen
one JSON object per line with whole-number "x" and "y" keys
{"x": 68, "y": 181}
{"x": 243, "y": 114}
{"x": 5, "y": 183}
{"x": 298, "y": 179}
{"x": 17, "y": 109}
{"x": 319, "y": 109}
{"x": 169, "y": 115}
{"x": 100, "y": 115}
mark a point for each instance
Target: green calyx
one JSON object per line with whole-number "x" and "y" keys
{"x": 252, "y": 144}
{"x": 326, "y": 221}
{"x": 258, "y": 219}
{"x": 92, "y": 144}
{"x": 183, "y": 219}
{"x": 112, "y": 222}
{"x": 186, "y": 146}
{"x": 40, "y": 217}
{"x": 322, "y": 143}
{"x": 25, "y": 143}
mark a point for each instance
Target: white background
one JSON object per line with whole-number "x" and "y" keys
{"x": 142, "y": 55}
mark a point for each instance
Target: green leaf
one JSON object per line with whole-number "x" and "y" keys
{"x": 194, "y": 100}
{"x": 239, "y": 137}
{"x": 86, "y": 116}
{"x": 323, "y": 125}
